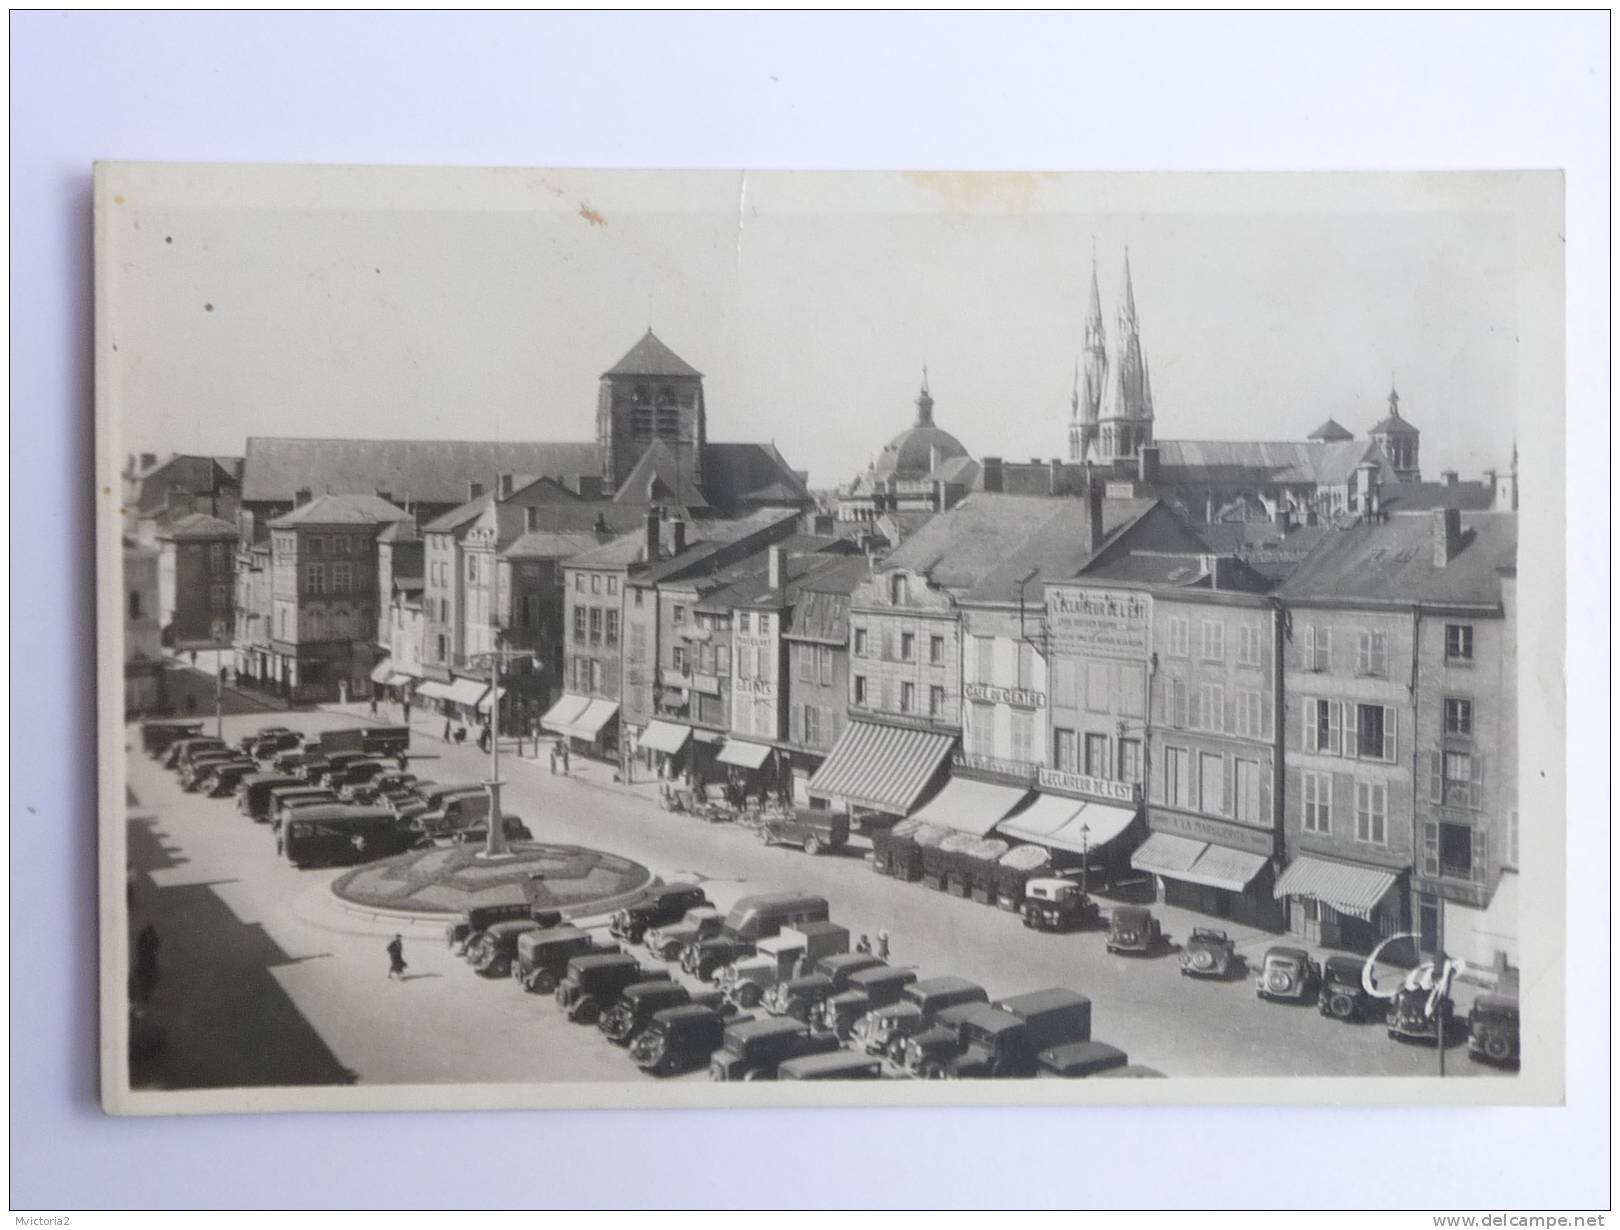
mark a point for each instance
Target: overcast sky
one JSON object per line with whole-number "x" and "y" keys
{"x": 465, "y": 305}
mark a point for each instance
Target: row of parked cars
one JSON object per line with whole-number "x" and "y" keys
{"x": 335, "y": 798}
{"x": 778, "y": 995}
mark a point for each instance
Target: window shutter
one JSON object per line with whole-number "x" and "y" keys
{"x": 1335, "y": 729}
{"x": 1390, "y": 744}
{"x": 1431, "y": 847}
{"x": 1437, "y": 778}
{"x": 1352, "y": 730}
{"x": 1310, "y": 647}
{"x": 1263, "y": 773}
{"x": 1310, "y": 725}
{"x": 1481, "y": 839}
{"x": 1229, "y": 781}
{"x": 1476, "y": 782}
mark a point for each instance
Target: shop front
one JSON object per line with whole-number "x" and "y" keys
{"x": 880, "y": 772}
{"x": 752, "y": 769}
{"x": 589, "y": 724}
{"x": 1085, "y": 823}
{"x": 1341, "y": 904}
{"x": 1213, "y": 867}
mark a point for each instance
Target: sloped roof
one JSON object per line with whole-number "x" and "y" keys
{"x": 198, "y": 525}
{"x": 460, "y": 517}
{"x": 662, "y": 476}
{"x": 342, "y": 510}
{"x": 715, "y": 537}
{"x": 419, "y": 471}
{"x": 549, "y": 544}
{"x": 1058, "y": 550}
{"x": 400, "y": 531}
{"x": 732, "y": 472}
{"x": 1332, "y": 430}
{"x": 752, "y": 586}
{"x": 650, "y": 357}
{"x": 619, "y": 552}
{"x": 1392, "y": 562}
{"x": 1394, "y": 424}
{"x": 963, "y": 471}
{"x": 1419, "y": 497}
{"x": 1247, "y": 462}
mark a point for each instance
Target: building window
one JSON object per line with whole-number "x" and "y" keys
{"x": 611, "y": 628}
{"x": 1130, "y": 761}
{"x": 579, "y": 582}
{"x": 936, "y": 700}
{"x": 1177, "y": 786}
{"x": 824, "y": 664}
{"x": 678, "y": 615}
{"x": 1211, "y": 707}
{"x": 936, "y": 650}
{"x": 722, "y": 659}
{"x": 745, "y": 664}
{"x": 596, "y": 582}
{"x": 472, "y": 569}
{"x": 342, "y": 578}
{"x": 1178, "y": 637}
{"x": 1372, "y": 653}
{"x": 899, "y": 589}
{"x": 218, "y": 597}
{"x": 283, "y": 614}
{"x": 807, "y": 662}
{"x": 745, "y": 623}
{"x": 1065, "y": 751}
{"x": 1323, "y": 727}
{"x": 216, "y": 556}
{"x": 908, "y": 644}
{"x": 1318, "y": 648}
{"x": 1212, "y": 783}
{"x": 1023, "y": 735}
{"x": 315, "y": 544}
{"x": 1248, "y": 645}
{"x": 860, "y": 642}
{"x": 342, "y": 546}
{"x": 1065, "y": 683}
{"x": 1459, "y": 643}
{"x": 579, "y": 623}
{"x": 315, "y": 578}
{"x": 1098, "y": 691}
{"x": 1372, "y": 811}
{"x": 1246, "y": 804}
{"x": 1177, "y": 699}
{"x": 1456, "y": 779}
{"x": 812, "y": 725}
{"x": 1318, "y": 793}
{"x": 1248, "y": 713}
{"x": 908, "y": 697}
{"x": 1212, "y": 640}
{"x": 1456, "y": 851}
{"x": 1459, "y": 717}
{"x": 859, "y": 683}
{"x": 1097, "y": 756}
{"x": 638, "y": 598}
{"x": 677, "y": 659}
{"x": 612, "y": 587}
{"x": 1374, "y": 733}
{"x": 982, "y": 729}
{"x": 442, "y": 653}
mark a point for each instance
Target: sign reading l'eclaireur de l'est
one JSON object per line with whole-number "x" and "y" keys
{"x": 1099, "y": 622}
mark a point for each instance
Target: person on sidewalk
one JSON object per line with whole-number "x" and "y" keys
{"x": 554, "y": 760}
{"x": 446, "y": 735}
{"x": 405, "y": 708}
{"x": 863, "y": 945}
{"x": 396, "y": 957}
{"x": 883, "y": 946}
{"x": 373, "y": 704}
{"x": 565, "y": 758}
{"x": 484, "y": 738}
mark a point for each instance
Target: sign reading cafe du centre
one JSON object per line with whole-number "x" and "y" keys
{"x": 1100, "y": 623}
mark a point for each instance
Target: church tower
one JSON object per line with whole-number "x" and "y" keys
{"x": 1125, "y": 422}
{"x": 1090, "y": 378}
{"x": 650, "y": 397}
{"x": 1399, "y": 440}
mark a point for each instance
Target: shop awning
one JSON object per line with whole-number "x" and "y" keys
{"x": 465, "y": 691}
{"x": 1223, "y": 867}
{"x": 883, "y": 768}
{"x": 397, "y": 680}
{"x": 561, "y": 716}
{"x": 1346, "y": 887}
{"x": 667, "y": 737}
{"x": 380, "y": 672}
{"x": 744, "y": 755}
{"x": 434, "y": 690}
{"x": 971, "y": 806}
{"x": 1088, "y": 826}
{"x": 1165, "y": 854}
{"x": 483, "y": 701}
{"x": 588, "y": 725}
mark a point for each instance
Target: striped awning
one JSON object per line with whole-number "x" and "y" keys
{"x": 883, "y": 768}
{"x": 1348, "y": 888}
{"x": 971, "y": 806}
{"x": 588, "y": 725}
{"x": 1223, "y": 867}
{"x": 1076, "y": 825}
{"x": 666, "y": 737}
{"x": 560, "y": 717}
{"x": 1166, "y": 854}
{"x": 743, "y": 754}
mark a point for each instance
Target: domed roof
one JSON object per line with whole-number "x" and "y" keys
{"x": 912, "y": 453}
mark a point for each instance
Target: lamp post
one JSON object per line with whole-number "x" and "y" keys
{"x": 1085, "y": 860}
{"x": 219, "y": 699}
{"x": 495, "y": 830}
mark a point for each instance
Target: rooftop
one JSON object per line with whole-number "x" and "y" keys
{"x": 1392, "y": 562}
{"x": 1259, "y": 462}
{"x": 550, "y": 544}
{"x": 198, "y": 525}
{"x": 342, "y": 510}
{"x": 650, "y": 357}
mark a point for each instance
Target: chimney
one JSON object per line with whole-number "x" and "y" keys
{"x": 1448, "y": 477}
{"x": 148, "y": 460}
{"x": 590, "y": 486}
{"x": 1447, "y": 535}
{"x": 677, "y": 536}
{"x": 652, "y": 535}
{"x": 531, "y": 518}
{"x": 1367, "y": 474}
{"x": 600, "y": 527}
{"x": 1147, "y": 464}
{"x": 1054, "y": 476}
{"x": 777, "y": 557}
{"x": 474, "y": 490}
{"x": 506, "y": 485}
{"x": 1281, "y": 518}
{"x": 302, "y": 496}
{"x": 992, "y": 473}
{"x": 1094, "y": 517}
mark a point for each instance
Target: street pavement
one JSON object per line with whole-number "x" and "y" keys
{"x": 263, "y": 971}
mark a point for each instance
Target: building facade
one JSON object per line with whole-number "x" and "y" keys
{"x": 144, "y": 690}
{"x": 197, "y": 581}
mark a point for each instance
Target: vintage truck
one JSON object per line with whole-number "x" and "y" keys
{"x": 787, "y": 954}
{"x": 594, "y": 982}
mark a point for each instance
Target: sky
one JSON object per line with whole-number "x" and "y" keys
{"x": 486, "y": 304}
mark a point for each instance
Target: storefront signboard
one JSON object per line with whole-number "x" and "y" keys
{"x": 1022, "y": 698}
{"x": 1099, "y": 623}
{"x": 1221, "y": 832}
{"x": 1092, "y": 787}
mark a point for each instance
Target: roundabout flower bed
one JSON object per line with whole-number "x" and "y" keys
{"x": 448, "y": 880}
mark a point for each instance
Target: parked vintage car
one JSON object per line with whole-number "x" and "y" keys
{"x": 1208, "y": 953}
{"x": 1410, "y": 1017}
{"x": 328, "y": 769}
{"x": 752, "y": 919}
{"x": 1132, "y": 928}
{"x": 430, "y": 799}
{"x": 173, "y": 755}
{"x": 195, "y": 771}
{"x": 340, "y": 835}
{"x": 247, "y": 742}
{"x": 476, "y": 834}
{"x": 1493, "y": 1029}
{"x": 541, "y": 955}
{"x": 268, "y": 747}
{"x": 286, "y": 800}
{"x": 679, "y": 1038}
{"x": 668, "y": 943}
{"x": 842, "y": 966}
{"x": 753, "y": 1050}
{"x": 924, "y": 1053}
{"x": 158, "y": 735}
{"x": 989, "y": 1042}
{"x": 472, "y": 923}
{"x": 660, "y": 906}
{"x": 799, "y": 997}
{"x": 1342, "y": 995}
{"x": 639, "y": 1002}
{"x": 253, "y": 793}
{"x": 358, "y": 774}
{"x": 383, "y": 787}
{"x": 868, "y": 989}
{"x": 451, "y": 811}
{"x": 885, "y": 1030}
{"x": 1073, "y": 1060}
{"x": 777, "y": 958}
{"x": 1054, "y": 1016}
{"x": 593, "y": 983}
{"x": 811, "y": 831}
{"x": 223, "y": 778}
{"x": 495, "y": 953}
{"x": 831, "y": 1066}
{"x": 1055, "y": 904}
{"x": 1288, "y": 974}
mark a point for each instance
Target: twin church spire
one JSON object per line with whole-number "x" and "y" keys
{"x": 1111, "y": 408}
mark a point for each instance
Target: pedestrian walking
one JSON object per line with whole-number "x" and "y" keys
{"x": 554, "y": 760}
{"x": 403, "y": 761}
{"x": 146, "y": 961}
{"x": 373, "y": 704}
{"x": 483, "y": 738}
{"x": 883, "y": 946}
{"x": 405, "y": 708}
{"x": 565, "y": 759}
{"x": 863, "y": 945}
{"x": 447, "y": 730}
{"x": 396, "y": 957}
